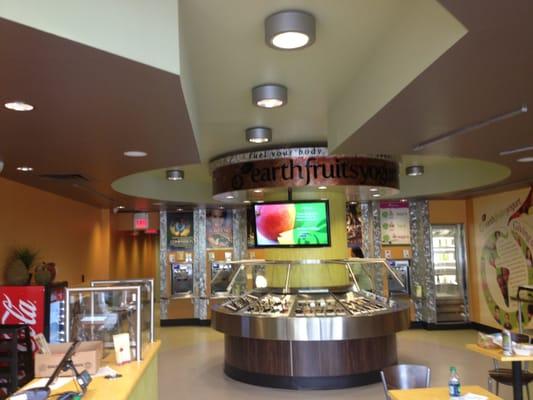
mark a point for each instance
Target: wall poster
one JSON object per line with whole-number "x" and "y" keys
{"x": 354, "y": 229}
{"x": 394, "y": 217}
{"x": 219, "y": 229}
{"x": 180, "y": 233}
{"x": 504, "y": 246}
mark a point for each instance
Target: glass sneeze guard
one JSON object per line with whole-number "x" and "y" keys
{"x": 98, "y": 313}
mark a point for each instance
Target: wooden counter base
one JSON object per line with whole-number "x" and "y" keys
{"x": 310, "y": 364}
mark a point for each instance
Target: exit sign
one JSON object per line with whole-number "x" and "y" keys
{"x": 140, "y": 221}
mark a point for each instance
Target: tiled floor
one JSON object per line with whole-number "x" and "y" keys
{"x": 191, "y": 360}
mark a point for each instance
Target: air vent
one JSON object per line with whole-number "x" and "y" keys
{"x": 65, "y": 177}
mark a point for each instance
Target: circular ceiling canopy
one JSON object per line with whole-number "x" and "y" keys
{"x": 443, "y": 175}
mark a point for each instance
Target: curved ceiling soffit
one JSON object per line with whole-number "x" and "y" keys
{"x": 443, "y": 175}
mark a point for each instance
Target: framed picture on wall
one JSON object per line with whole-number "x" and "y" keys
{"x": 219, "y": 229}
{"x": 180, "y": 230}
{"x": 354, "y": 233}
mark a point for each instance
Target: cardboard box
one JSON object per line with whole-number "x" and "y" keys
{"x": 88, "y": 356}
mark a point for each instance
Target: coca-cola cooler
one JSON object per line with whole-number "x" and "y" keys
{"x": 40, "y": 307}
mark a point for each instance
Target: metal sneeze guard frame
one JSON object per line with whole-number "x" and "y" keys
{"x": 137, "y": 289}
{"x": 347, "y": 263}
{"x": 99, "y": 283}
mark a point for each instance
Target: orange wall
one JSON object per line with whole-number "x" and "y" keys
{"x": 133, "y": 256}
{"x": 73, "y": 235}
{"x": 447, "y": 212}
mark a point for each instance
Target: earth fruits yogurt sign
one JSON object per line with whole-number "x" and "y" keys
{"x": 303, "y": 171}
{"x": 504, "y": 225}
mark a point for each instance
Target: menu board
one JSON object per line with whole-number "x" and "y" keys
{"x": 180, "y": 234}
{"x": 395, "y": 227}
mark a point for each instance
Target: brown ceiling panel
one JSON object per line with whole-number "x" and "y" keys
{"x": 90, "y": 107}
{"x": 486, "y": 74}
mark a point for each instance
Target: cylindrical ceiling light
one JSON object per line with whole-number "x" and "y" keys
{"x": 175, "y": 174}
{"x": 269, "y": 95}
{"x": 259, "y": 134}
{"x": 414, "y": 170}
{"x": 289, "y": 30}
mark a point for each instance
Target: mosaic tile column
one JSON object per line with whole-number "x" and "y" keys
{"x": 200, "y": 296}
{"x": 240, "y": 239}
{"x": 422, "y": 270}
{"x": 376, "y": 248}
{"x": 366, "y": 228}
{"x": 371, "y": 229}
{"x": 163, "y": 303}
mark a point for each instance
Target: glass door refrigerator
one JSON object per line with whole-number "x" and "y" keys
{"x": 449, "y": 261}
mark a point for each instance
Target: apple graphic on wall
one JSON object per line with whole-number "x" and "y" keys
{"x": 274, "y": 219}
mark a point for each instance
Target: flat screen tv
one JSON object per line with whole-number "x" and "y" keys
{"x": 292, "y": 224}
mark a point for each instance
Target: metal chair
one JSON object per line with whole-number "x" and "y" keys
{"x": 505, "y": 375}
{"x": 405, "y": 376}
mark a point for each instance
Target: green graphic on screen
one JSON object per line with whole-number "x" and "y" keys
{"x": 292, "y": 224}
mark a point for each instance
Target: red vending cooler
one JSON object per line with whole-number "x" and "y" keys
{"x": 40, "y": 307}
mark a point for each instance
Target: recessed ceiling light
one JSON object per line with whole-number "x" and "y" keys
{"x": 18, "y": 106}
{"x": 376, "y": 195}
{"x": 289, "y": 30}
{"x": 269, "y": 95}
{"x": 517, "y": 150}
{"x": 121, "y": 207}
{"x": 525, "y": 159}
{"x": 179, "y": 209}
{"x": 24, "y": 169}
{"x": 246, "y": 201}
{"x": 175, "y": 174}
{"x": 230, "y": 196}
{"x": 322, "y": 187}
{"x": 373, "y": 189}
{"x": 260, "y": 201}
{"x": 135, "y": 153}
{"x": 258, "y": 134}
{"x": 258, "y": 190}
{"x": 414, "y": 170}
{"x": 353, "y": 202}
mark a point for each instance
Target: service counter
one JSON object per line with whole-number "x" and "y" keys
{"x": 139, "y": 379}
{"x": 309, "y": 338}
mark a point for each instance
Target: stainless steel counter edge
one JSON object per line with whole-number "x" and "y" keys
{"x": 311, "y": 328}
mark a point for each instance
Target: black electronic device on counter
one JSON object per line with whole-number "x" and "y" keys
{"x": 41, "y": 393}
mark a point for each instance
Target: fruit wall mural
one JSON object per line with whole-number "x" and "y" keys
{"x": 504, "y": 231}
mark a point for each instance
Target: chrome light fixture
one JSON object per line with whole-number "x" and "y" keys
{"x": 259, "y": 134}
{"x": 270, "y": 95}
{"x": 175, "y": 174}
{"x": 414, "y": 170}
{"x": 290, "y": 30}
